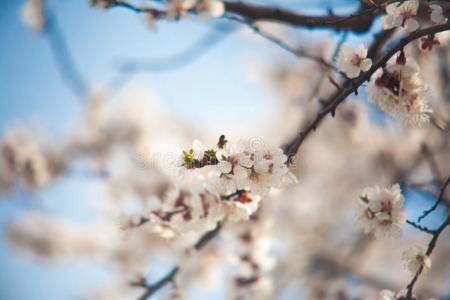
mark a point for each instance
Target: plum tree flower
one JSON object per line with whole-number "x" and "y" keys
{"x": 401, "y": 15}
{"x": 399, "y": 91}
{"x": 237, "y": 211}
{"x": 416, "y": 258}
{"x": 27, "y": 160}
{"x": 241, "y": 166}
{"x": 210, "y": 9}
{"x": 387, "y": 295}
{"x": 352, "y": 62}
{"x": 32, "y": 14}
{"x": 390, "y": 295}
{"x": 437, "y": 15}
{"x": 381, "y": 211}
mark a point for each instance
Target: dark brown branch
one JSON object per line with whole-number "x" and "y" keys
{"x": 360, "y": 21}
{"x": 351, "y": 86}
{"x": 207, "y": 237}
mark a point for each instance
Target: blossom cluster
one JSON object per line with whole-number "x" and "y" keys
{"x": 26, "y": 161}
{"x": 246, "y": 165}
{"x": 183, "y": 212}
{"x": 381, "y": 214}
{"x": 381, "y": 211}
{"x": 253, "y": 260}
{"x": 239, "y": 175}
{"x": 399, "y": 90}
{"x": 404, "y": 14}
{"x": 176, "y": 9}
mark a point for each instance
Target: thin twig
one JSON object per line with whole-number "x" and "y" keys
{"x": 298, "y": 52}
{"x": 435, "y": 205}
{"x": 430, "y": 248}
{"x": 420, "y": 227}
{"x": 151, "y": 289}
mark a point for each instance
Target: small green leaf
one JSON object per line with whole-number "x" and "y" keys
{"x": 364, "y": 199}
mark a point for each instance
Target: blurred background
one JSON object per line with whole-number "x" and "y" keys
{"x": 184, "y": 79}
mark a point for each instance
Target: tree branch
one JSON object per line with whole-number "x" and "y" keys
{"x": 352, "y": 85}
{"x": 151, "y": 289}
{"x": 435, "y": 205}
{"x": 360, "y": 21}
{"x": 298, "y": 52}
{"x": 430, "y": 248}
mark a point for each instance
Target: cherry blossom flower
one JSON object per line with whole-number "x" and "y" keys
{"x": 24, "y": 159}
{"x": 401, "y": 15}
{"x": 416, "y": 258}
{"x": 437, "y": 15}
{"x": 237, "y": 211}
{"x": 210, "y": 9}
{"x": 401, "y": 295}
{"x": 387, "y": 295}
{"x": 241, "y": 167}
{"x": 32, "y": 14}
{"x": 352, "y": 62}
{"x": 381, "y": 211}
{"x": 399, "y": 91}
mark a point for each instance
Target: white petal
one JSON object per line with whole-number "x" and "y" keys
{"x": 366, "y": 64}
{"x": 361, "y": 51}
{"x": 411, "y": 25}
{"x": 397, "y": 20}
{"x": 224, "y": 166}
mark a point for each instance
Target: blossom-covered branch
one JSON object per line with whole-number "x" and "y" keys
{"x": 352, "y": 85}
{"x": 429, "y": 251}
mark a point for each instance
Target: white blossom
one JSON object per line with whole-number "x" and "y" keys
{"x": 381, "y": 211}
{"x": 237, "y": 211}
{"x": 401, "y": 295}
{"x": 240, "y": 166}
{"x": 401, "y": 15}
{"x": 26, "y": 160}
{"x": 210, "y": 8}
{"x": 387, "y": 295}
{"x": 415, "y": 258}
{"x": 437, "y": 15}
{"x": 399, "y": 91}
{"x": 352, "y": 62}
{"x": 32, "y": 14}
